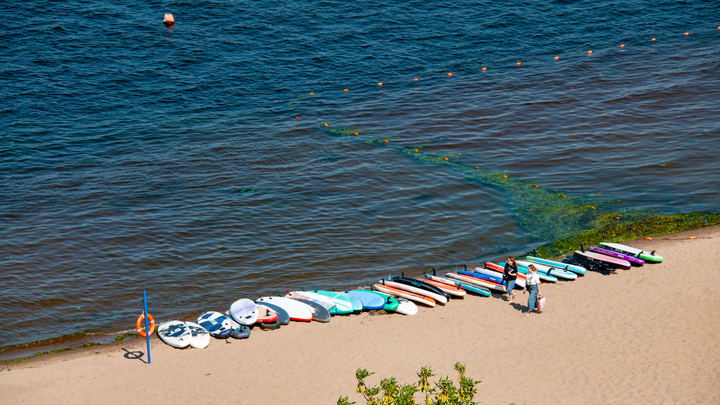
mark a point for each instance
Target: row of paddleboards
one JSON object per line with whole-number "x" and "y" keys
{"x": 394, "y": 294}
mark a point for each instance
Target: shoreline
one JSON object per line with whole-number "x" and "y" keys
{"x": 620, "y": 233}
{"x": 645, "y": 335}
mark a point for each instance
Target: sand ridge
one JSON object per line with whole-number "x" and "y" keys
{"x": 648, "y": 335}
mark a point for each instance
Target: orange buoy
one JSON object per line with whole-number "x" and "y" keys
{"x": 687, "y": 33}
{"x": 325, "y": 124}
{"x": 589, "y": 52}
{"x": 312, "y": 94}
{"x": 345, "y": 90}
{"x": 379, "y": 84}
{"x": 355, "y": 133}
{"x": 563, "y": 196}
{"x": 449, "y": 74}
{"x": 633, "y": 229}
{"x": 385, "y": 140}
{"x": 617, "y": 217}
{"x": 505, "y": 176}
{"x": 622, "y": 46}
{"x": 557, "y": 57}
{"x": 535, "y": 186}
{"x": 648, "y": 238}
{"x": 416, "y": 150}
{"x": 416, "y": 79}
{"x": 168, "y": 19}
{"x": 692, "y": 237}
{"x": 519, "y": 63}
{"x": 477, "y": 168}
{"x": 653, "y": 39}
{"x": 297, "y": 118}
{"x": 484, "y": 69}
{"x": 139, "y": 322}
{"x": 445, "y": 158}
{"x": 592, "y": 207}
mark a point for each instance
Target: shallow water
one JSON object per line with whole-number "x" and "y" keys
{"x": 136, "y": 156}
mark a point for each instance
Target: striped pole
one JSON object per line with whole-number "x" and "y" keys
{"x": 147, "y": 325}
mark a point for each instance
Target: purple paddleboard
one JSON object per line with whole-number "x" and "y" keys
{"x": 607, "y": 252}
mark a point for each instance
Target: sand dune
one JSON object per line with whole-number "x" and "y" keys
{"x": 648, "y": 335}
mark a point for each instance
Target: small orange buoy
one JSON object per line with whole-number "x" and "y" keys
{"x": 633, "y": 229}
{"x": 563, "y": 196}
{"x": 653, "y": 39}
{"x": 687, "y": 33}
{"x": 622, "y": 46}
{"x": 168, "y": 19}
{"x": 355, "y": 133}
{"x": 385, "y": 140}
{"x": 416, "y": 150}
{"x": 648, "y": 238}
{"x": 449, "y": 74}
{"x": 297, "y": 118}
{"x": 557, "y": 57}
{"x": 445, "y": 158}
{"x": 535, "y": 186}
{"x": 345, "y": 90}
{"x": 379, "y": 84}
{"x": 617, "y": 217}
{"x": 477, "y": 168}
{"x": 692, "y": 237}
{"x": 589, "y": 52}
{"x": 505, "y": 176}
{"x": 519, "y": 63}
{"x": 325, "y": 124}
{"x": 416, "y": 79}
{"x": 312, "y": 94}
{"x": 592, "y": 207}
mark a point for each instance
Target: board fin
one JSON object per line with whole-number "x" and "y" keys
{"x": 652, "y": 253}
{"x": 434, "y": 273}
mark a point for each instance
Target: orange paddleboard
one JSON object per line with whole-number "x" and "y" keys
{"x": 396, "y": 292}
{"x": 450, "y": 289}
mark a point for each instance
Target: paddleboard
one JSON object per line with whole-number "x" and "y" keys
{"x": 477, "y": 281}
{"x": 480, "y": 276}
{"x": 370, "y": 301}
{"x": 553, "y": 271}
{"x": 266, "y": 315}
{"x": 639, "y": 253}
{"x": 465, "y": 286}
{"x": 569, "y": 267}
{"x": 244, "y": 311}
{"x": 416, "y": 290}
{"x": 449, "y": 289}
{"x": 612, "y": 261}
{"x": 613, "y": 253}
{"x": 343, "y": 305}
{"x": 283, "y": 317}
{"x": 322, "y": 300}
{"x": 217, "y": 324}
{"x": 319, "y": 312}
{"x": 175, "y": 334}
{"x": 200, "y": 338}
{"x": 357, "y": 304}
{"x": 420, "y": 284}
{"x": 390, "y": 303}
{"x": 404, "y": 294}
{"x": 239, "y": 331}
{"x": 406, "y": 307}
{"x": 519, "y": 280}
{"x": 296, "y": 311}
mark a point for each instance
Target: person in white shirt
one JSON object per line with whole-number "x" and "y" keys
{"x": 532, "y": 284}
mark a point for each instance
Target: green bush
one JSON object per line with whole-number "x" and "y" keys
{"x": 443, "y": 393}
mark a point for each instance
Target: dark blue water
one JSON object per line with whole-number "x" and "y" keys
{"x": 137, "y": 156}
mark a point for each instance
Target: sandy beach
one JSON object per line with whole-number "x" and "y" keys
{"x": 648, "y": 335}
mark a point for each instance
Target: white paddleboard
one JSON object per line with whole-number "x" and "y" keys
{"x": 200, "y": 337}
{"x": 406, "y": 307}
{"x": 175, "y": 334}
{"x": 437, "y": 297}
{"x": 321, "y": 300}
{"x": 244, "y": 312}
{"x": 295, "y": 309}
{"x": 553, "y": 271}
{"x": 217, "y": 324}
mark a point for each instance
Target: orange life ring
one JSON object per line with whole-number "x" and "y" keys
{"x": 139, "y": 324}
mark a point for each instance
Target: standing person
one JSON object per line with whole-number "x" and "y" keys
{"x": 510, "y": 275}
{"x": 532, "y": 284}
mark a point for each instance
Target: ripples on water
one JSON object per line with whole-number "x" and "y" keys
{"x": 136, "y": 156}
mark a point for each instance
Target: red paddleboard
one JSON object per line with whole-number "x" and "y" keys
{"x": 396, "y": 292}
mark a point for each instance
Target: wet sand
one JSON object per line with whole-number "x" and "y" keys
{"x": 648, "y": 335}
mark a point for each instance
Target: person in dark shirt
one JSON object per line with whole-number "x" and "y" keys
{"x": 510, "y": 275}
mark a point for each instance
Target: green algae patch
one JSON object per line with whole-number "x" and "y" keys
{"x": 64, "y": 349}
{"x": 646, "y": 226}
